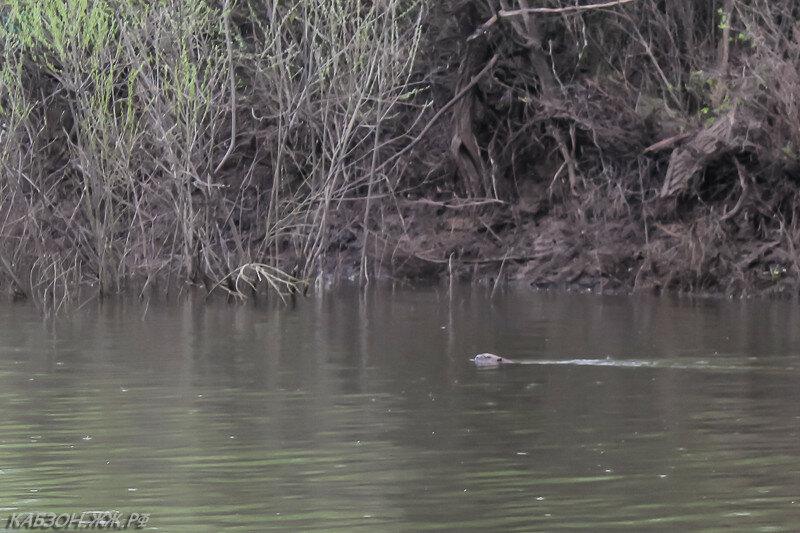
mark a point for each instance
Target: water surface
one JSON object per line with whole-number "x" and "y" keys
{"x": 361, "y": 412}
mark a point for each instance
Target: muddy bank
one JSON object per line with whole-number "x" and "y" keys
{"x": 617, "y": 146}
{"x": 558, "y": 247}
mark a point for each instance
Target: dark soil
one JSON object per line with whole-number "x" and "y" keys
{"x": 542, "y": 244}
{"x": 624, "y": 146}
{"x": 571, "y": 163}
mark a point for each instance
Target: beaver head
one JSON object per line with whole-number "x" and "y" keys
{"x": 490, "y": 359}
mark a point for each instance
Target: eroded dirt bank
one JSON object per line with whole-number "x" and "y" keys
{"x": 627, "y": 147}
{"x": 613, "y": 145}
{"x": 525, "y": 243}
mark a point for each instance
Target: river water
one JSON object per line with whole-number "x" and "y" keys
{"x": 362, "y": 412}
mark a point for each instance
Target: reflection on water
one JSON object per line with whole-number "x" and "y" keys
{"x": 363, "y": 412}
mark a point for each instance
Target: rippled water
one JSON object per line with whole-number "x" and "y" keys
{"x": 362, "y": 412}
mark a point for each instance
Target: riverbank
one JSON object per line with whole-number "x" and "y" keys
{"x": 617, "y": 146}
{"x": 527, "y": 244}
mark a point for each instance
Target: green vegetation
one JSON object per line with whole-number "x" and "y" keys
{"x": 232, "y": 144}
{"x": 182, "y": 140}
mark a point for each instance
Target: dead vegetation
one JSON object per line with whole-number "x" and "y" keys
{"x": 249, "y": 146}
{"x": 628, "y": 145}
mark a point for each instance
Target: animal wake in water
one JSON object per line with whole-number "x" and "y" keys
{"x": 490, "y": 360}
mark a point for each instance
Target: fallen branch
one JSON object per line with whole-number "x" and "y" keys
{"x": 514, "y": 12}
{"x": 484, "y": 28}
{"x": 456, "y": 204}
{"x": 670, "y": 142}
{"x": 689, "y": 158}
{"x": 505, "y": 258}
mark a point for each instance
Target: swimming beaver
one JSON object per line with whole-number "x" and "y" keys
{"x": 490, "y": 359}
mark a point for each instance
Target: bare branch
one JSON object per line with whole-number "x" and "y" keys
{"x": 514, "y": 12}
